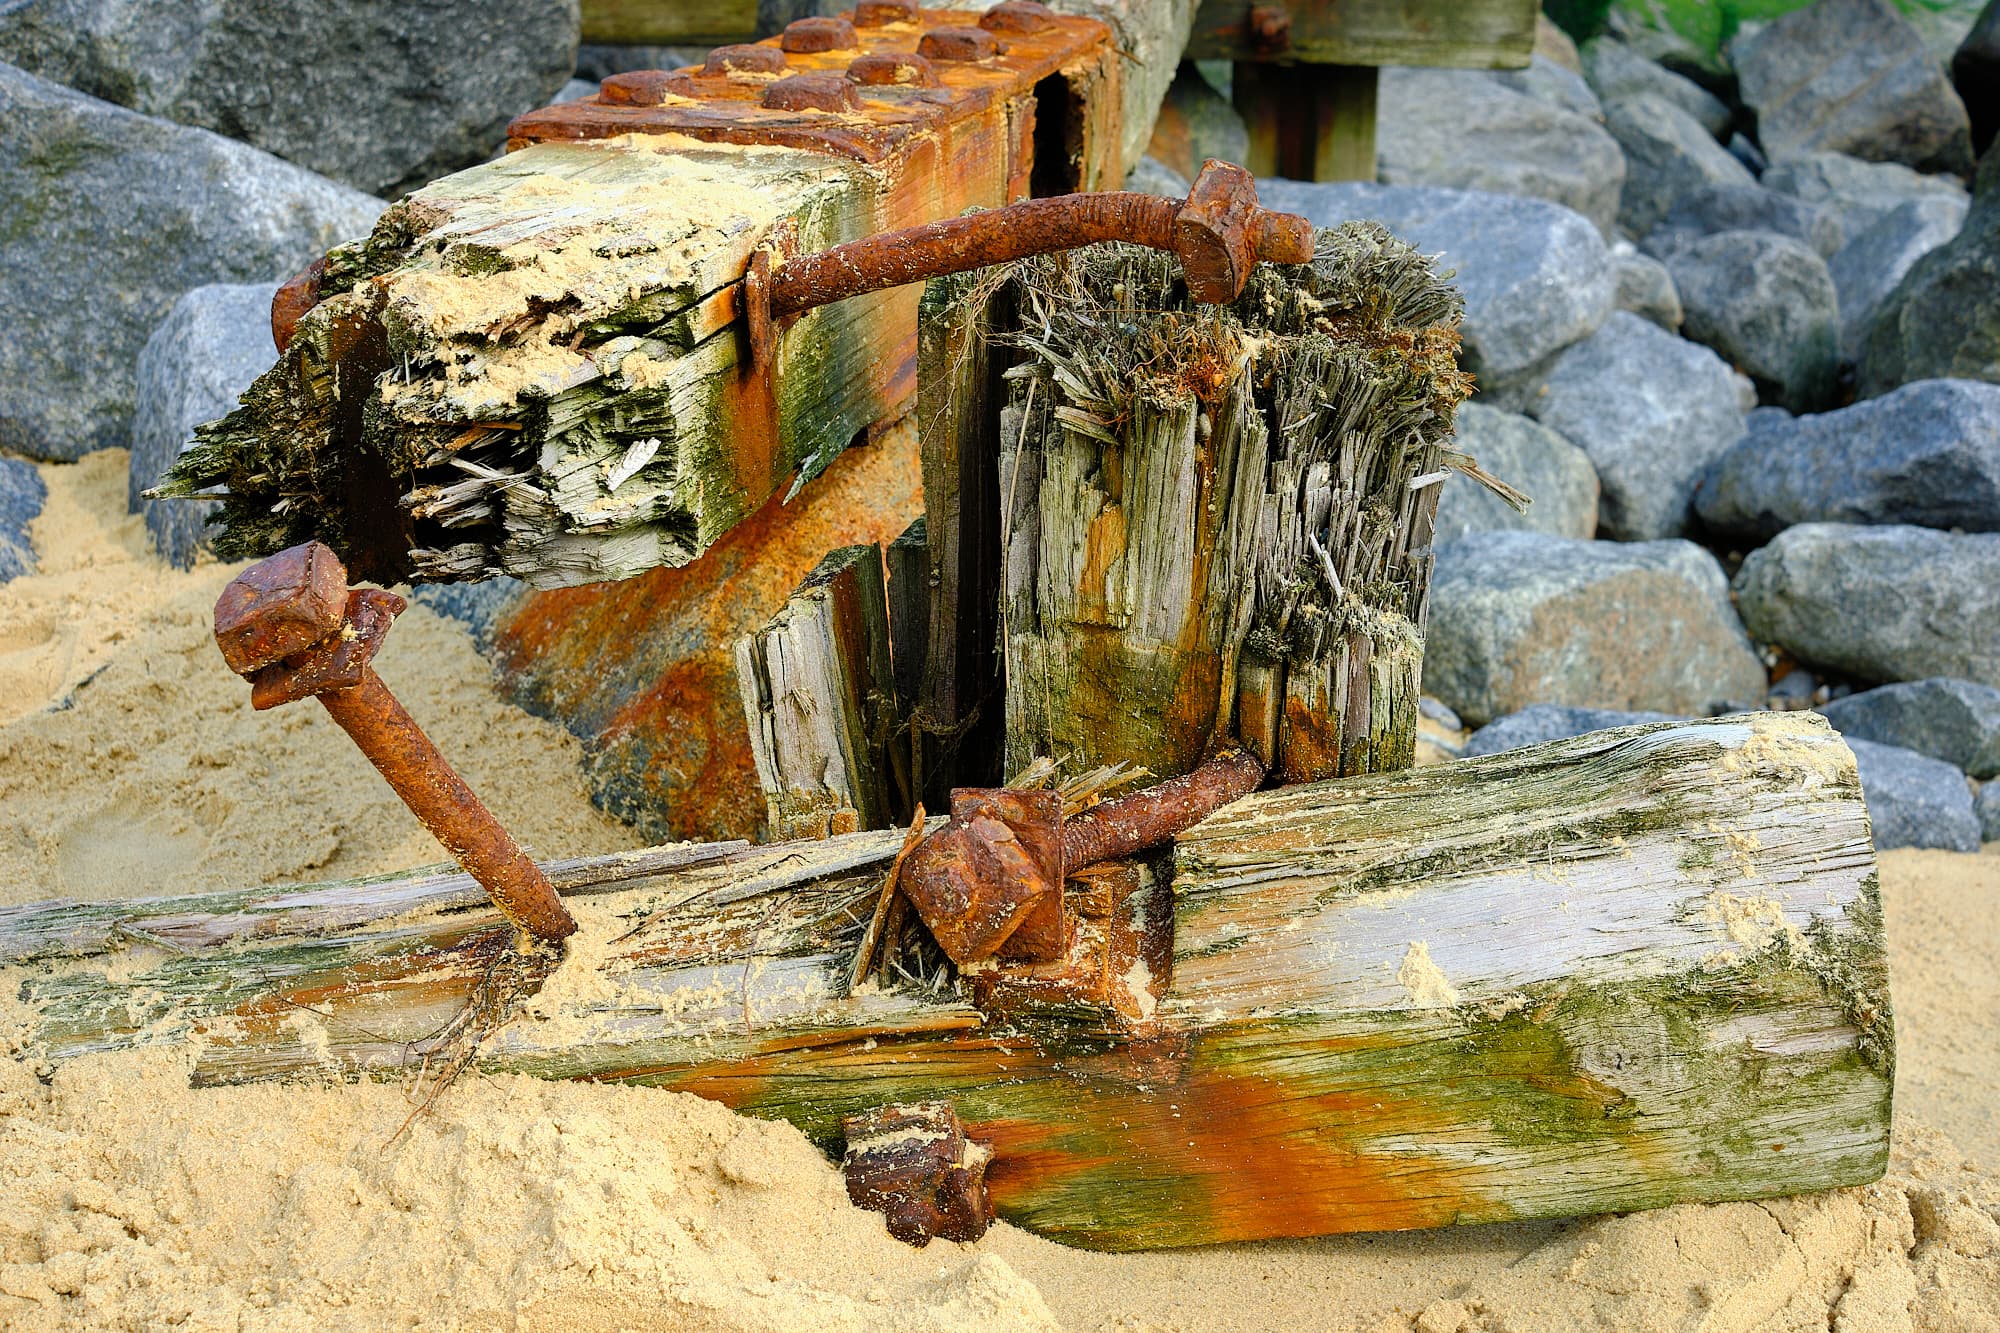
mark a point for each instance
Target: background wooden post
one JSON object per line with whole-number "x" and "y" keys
{"x": 1308, "y": 122}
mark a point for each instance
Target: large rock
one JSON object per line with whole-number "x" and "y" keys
{"x": 1852, "y": 76}
{"x": 1914, "y": 801}
{"x": 1549, "y": 80}
{"x": 1536, "y": 276}
{"x": 21, "y": 496}
{"x": 1929, "y": 454}
{"x": 1853, "y": 195}
{"x": 1943, "y": 318}
{"x": 214, "y": 341}
{"x": 1617, "y": 73}
{"x": 1644, "y": 287}
{"x": 1957, "y": 721}
{"x": 1668, "y": 154}
{"x": 1975, "y": 70}
{"x": 1519, "y": 618}
{"x": 105, "y": 218}
{"x": 1555, "y": 475}
{"x": 1652, "y": 411}
{"x": 1988, "y": 807}
{"x": 1549, "y": 722}
{"x": 1717, "y": 208}
{"x": 1466, "y": 130}
{"x": 1767, "y": 303}
{"x": 382, "y": 94}
{"x": 1878, "y": 603}
{"x": 1196, "y": 123}
{"x": 1868, "y": 267}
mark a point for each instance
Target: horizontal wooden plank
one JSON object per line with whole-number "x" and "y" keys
{"x": 1476, "y": 34}
{"x": 669, "y": 22}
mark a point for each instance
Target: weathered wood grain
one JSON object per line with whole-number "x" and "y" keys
{"x": 1629, "y": 969}
{"x": 1480, "y": 34}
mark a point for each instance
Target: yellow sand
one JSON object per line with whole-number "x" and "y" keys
{"x": 128, "y": 1200}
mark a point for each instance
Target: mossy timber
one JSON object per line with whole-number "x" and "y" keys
{"x": 1630, "y": 969}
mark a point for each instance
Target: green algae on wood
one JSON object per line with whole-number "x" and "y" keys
{"x": 1499, "y": 989}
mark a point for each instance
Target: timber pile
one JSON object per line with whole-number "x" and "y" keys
{"x": 1630, "y": 969}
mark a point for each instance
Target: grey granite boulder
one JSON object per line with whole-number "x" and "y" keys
{"x": 1652, "y": 411}
{"x": 1554, "y": 474}
{"x": 1716, "y": 208}
{"x": 1975, "y": 72}
{"x": 1618, "y": 73}
{"x": 208, "y": 349}
{"x": 1868, "y": 267}
{"x": 1535, "y": 276}
{"x": 1466, "y": 130}
{"x": 384, "y": 95}
{"x": 105, "y": 218}
{"x": 1767, "y": 304}
{"x": 21, "y": 496}
{"x": 1957, "y": 721}
{"x": 1854, "y": 195}
{"x": 1988, "y": 808}
{"x": 1548, "y": 81}
{"x": 1943, "y": 318}
{"x": 1668, "y": 154}
{"x": 1196, "y": 123}
{"x": 1644, "y": 287}
{"x": 1878, "y": 603}
{"x": 1852, "y": 76}
{"x": 1928, "y": 453}
{"x": 1519, "y": 618}
{"x": 1914, "y": 801}
{"x": 1549, "y": 722}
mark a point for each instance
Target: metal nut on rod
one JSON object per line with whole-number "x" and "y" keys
{"x": 293, "y": 628}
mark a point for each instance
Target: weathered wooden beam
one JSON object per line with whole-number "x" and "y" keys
{"x": 1478, "y": 34}
{"x": 1630, "y": 969}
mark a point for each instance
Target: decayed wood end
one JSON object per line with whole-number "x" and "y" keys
{"x": 1218, "y": 520}
{"x": 819, "y": 691}
{"x": 1478, "y": 34}
{"x": 1631, "y": 969}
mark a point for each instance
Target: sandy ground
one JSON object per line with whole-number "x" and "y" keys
{"x": 131, "y": 764}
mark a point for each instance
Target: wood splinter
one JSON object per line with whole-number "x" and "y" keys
{"x": 913, "y": 1163}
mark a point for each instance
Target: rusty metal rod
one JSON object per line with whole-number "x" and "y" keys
{"x": 1148, "y": 818}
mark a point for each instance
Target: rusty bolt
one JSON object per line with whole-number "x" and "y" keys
{"x": 744, "y": 59}
{"x": 989, "y": 883}
{"x": 1018, "y": 16}
{"x": 294, "y": 628}
{"x": 812, "y": 92}
{"x": 808, "y": 35}
{"x": 644, "y": 87}
{"x": 893, "y": 68}
{"x": 1270, "y": 30}
{"x": 291, "y": 301}
{"x": 1219, "y": 232}
{"x": 881, "y": 13}
{"x": 958, "y": 44}
{"x": 914, "y": 1164}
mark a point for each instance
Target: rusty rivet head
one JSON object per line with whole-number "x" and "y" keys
{"x": 744, "y": 59}
{"x": 893, "y": 68}
{"x": 881, "y": 13}
{"x": 280, "y": 607}
{"x": 812, "y": 92}
{"x": 1270, "y": 29}
{"x": 1019, "y": 16}
{"x": 644, "y": 87}
{"x": 805, "y": 36}
{"x": 958, "y": 44}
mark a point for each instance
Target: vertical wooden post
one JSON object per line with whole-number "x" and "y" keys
{"x": 1308, "y": 122}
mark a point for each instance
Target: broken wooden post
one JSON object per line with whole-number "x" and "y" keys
{"x": 1629, "y": 969}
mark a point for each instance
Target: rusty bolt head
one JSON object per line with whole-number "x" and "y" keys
{"x": 914, "y": 1164}
{"x": 958, "y": 45}
{"x": 983, "y": 876}
{"x": 644, "y": 87}
{"x": 893, "y": 69}
{"x": 812, "y": 92}
{"x": 1270, "y": 29}
{"x": 744, "y": 59}
{"x": 1018, "y": 16}
{"x": 280, "y": 607}
{"x": 881, "y": 13}
{"x": 1220, "y": 233}
{"x": 805, "y": 36}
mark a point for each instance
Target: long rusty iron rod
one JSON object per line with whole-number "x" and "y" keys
{"x": 1148, "y": 818}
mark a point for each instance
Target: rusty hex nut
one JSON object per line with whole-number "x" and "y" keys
{"x": 881, "y": 13}
{"x": 809, "y": 35}
{"x": 914, "y": 1164}
{"x": 958, "y": 45}
{"x": 904, "y": 69}
{"x": 280, "y": 607}
{"x": 644, "y": 87}
{"x": 990, "y": 873}
{"x": 1018, "y": 16}
{"x": 747, "y": 58}
{"x": 812, "y": 92}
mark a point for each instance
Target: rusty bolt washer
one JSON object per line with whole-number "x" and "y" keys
{"x": 1219, "y": 232}
{"x": 291, "y": 625}
{"x": 989, "y": 883}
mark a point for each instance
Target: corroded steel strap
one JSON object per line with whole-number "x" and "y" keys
{"x": 439, "y": 798}
{"x": 1146, "y": 819}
